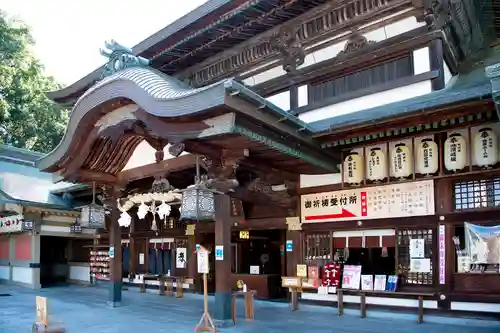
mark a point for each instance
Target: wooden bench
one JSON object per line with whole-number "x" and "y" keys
{"x": 295, "y": 295}
{"x": 363, "y": 293}
{"x": 249, "y": 304}
{"x": 170, "y": 285}
{"x": 153, "y": 277}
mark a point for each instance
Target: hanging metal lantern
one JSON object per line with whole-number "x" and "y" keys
{"x": 353, "y": 168}
{"x": 402, "y": 163}
{"x": 455, "y": 152}
{"x": 427, "y": 157}
{"x": 198, "y": 203}
{"x": 486, "y": 147}
{"x": 93, "y": 215}
{"x": 377, "y": 169}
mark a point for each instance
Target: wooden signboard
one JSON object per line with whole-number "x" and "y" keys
{"x": 42, "y": 315}
{"x": 206, "y": 323}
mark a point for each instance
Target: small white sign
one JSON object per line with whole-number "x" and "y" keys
{"x": 417, "y": 248}
{"x": 141, "y": 258}
{"x": 202, "y": 258}
{"x": 420, "y": 265}
{"x": 111, "y": 252}
{"x": 255, "y": 270}
{"x": 463, "y": 264}
{"x": 367, "y": 282}
{"x": 219, "y": 252}
{"x": 379, "y": 282}
{"x": 180, "y": 257}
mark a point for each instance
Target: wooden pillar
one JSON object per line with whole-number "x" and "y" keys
{"x": 132, "y": 250}
{"x": 222, "y": 310}
{"x": 293, "y": 234}
{"x": 191, "y": 252}
{"x": 115, "y": 242}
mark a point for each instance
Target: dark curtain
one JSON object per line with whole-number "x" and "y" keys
{"x": 167, "y": 261}
{"x": 152, "y": 269}
{"x": 126, "y": 261}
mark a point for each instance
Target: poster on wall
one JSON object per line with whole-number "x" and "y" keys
{"x": 388, "y": 201}
{"x": 219, "y": 252}
{"x": 417, "y": 248}
{"x": 380, "y": 282}
{"x": 180, "y": 257}
{"x": 351, "y": 277}
{"x": 367, "y": 282}
{"x": 420, "y": 265}
{"x": 392, "y": 283}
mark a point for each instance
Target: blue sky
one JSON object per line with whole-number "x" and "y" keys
{"x": 70, "y": 33}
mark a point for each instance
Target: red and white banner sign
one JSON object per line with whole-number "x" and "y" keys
{"x": 11, "y": 224}
{"x": 388, "y": 201}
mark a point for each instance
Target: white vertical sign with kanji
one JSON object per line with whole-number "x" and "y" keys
{"x": 180, "y": 257}
{"x": 442, "y": 255}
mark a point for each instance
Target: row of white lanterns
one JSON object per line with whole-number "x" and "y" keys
{"x": 485, "y": 150}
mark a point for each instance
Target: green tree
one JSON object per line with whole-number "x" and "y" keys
{"x": 28, "y": 119}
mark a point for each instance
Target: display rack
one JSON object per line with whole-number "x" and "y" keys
{"x": 99, "y": 265}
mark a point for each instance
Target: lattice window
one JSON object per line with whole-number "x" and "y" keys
{"x": 363, "y": 79}
{"x": 477, "y": 194}
{"x": 404, "y": 236}
{"x": 318, "y": 248}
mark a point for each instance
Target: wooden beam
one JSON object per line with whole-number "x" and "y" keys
{"x": 150, "y": 170}
{"x": 88, "y": 176}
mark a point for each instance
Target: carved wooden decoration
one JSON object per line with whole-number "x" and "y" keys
{"x": 294, "y": 223}
{"x": 279, "y": 194}
{"x": 329, "y": 22}
{"x": 355, "y": 42}
{"x": 222, "y": 170}
{"x": 287, "y": 43}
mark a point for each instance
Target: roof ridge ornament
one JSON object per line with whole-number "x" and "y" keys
{"x": 120, "y": 57}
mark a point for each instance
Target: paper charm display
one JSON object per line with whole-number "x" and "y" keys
{"x": 142, "y": 211}
{"x": 163, "y": 210}
{"x": 124, "y": 220}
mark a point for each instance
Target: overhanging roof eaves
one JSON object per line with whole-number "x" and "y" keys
{"x": 37, "y": 204}
{"x": 262, "y": 103}
{"x": 69, "y": 189}
{"x": 188, "y": 19}
{"x": 176, "y": 26}
{"x": 403, "y": 108}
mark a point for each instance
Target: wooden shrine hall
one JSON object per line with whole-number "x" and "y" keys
{"x": 244, "y": 151}
{"x": 334, "y": 137}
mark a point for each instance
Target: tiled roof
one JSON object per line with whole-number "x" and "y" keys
{"x": 21, "y": 181}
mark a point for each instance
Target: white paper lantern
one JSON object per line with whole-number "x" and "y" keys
{"x": 402, "y": 163}
{"x": 427, "y": 157}
{"x": 455, "y": 152}
{"x": 376, "y": 165}
{"x": 486, "y": 147}
{"x": 353, "y": 169}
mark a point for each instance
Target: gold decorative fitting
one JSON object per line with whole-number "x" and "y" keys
{"x": 294, "y": 223}
{"x": 190, "y": 229}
